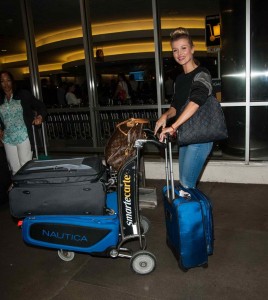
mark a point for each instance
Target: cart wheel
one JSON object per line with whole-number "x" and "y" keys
{"x": 66, "y": 255}
{"x": 145, "y": 224}
{"x": 143, "y": 262}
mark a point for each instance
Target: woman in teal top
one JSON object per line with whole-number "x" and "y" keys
{"x": 19, "y": 109}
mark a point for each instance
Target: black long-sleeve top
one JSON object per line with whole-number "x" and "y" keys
{"x": 196, "y": 86}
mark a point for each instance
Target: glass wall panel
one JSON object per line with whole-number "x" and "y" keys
{"x": 123, "y": 43}
{"x": 259, "y": 81}
{"x": 234, "y": 147}
{"x": 12, "y": 42}
{"x": 259, "y": 51}
{"x": 58, "y": 37}
{"x": 233, "y": 50}
{"x": 259, "y": 133}
{"x": 61, "y": 62}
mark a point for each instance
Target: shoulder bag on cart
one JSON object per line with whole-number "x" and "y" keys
{"x": 120, "y": 145}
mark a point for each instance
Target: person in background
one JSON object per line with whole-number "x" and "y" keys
{"x": 71, "y": 98}
{"x": 134, "y": 87}
{"x": 19, "y": 109}
{"x": 61, "y": 92}
{"x": 133, "y": 83}
{"x": 169, "y": 89}
{"x": 49, "y": 92}
{"x": 194, "y": 83}
{"x": 122, "y": 90}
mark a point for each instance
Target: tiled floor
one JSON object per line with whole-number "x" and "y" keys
{"x": 238, "y": 269}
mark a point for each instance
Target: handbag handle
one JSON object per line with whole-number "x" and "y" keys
{"x": 131, "y": 123}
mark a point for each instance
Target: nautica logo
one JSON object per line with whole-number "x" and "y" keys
{"x": 64, "y": 236}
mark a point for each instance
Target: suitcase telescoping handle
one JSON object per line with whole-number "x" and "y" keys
{"x": 169, "y": 170}
{"x": 44, "y": 140}
{"x": 167, "y": 145}
{"x": 35, "y": 144}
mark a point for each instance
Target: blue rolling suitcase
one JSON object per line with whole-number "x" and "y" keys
{"x": 189, "y": 221}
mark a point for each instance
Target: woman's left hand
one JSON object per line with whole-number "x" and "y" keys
{"x": 165, "y": 131}
{"x": 38, "y": 120}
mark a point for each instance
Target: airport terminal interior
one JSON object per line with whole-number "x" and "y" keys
{"x": 54, "y": 46}
{"x": 88, "y": 43}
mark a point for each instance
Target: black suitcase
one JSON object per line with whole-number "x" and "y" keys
{"x": 72, "y": 186}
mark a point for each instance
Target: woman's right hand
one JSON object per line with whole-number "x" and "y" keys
{"x": 38, "y": 120}
{"x": 162, "y": 121}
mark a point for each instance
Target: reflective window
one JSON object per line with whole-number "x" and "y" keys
{"x": 60, "y": 54}
{"x": 233, "y": 50}
{"x": 124, "y": 52}
{"x": 58, "y": 37}
{"x": 259, "y": 81}
{"x": 259, "y": 50}
{"x": 234, "y": 147}
{"x": 259, "y": 133}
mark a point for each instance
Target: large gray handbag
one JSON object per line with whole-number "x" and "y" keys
{"x": 206, "y": 125}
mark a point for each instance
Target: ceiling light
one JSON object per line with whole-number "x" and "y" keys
{"x": 106, "y": 28}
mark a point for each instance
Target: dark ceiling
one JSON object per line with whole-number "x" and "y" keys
{"x": 51, "y": 15}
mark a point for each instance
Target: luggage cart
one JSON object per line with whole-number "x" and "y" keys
{"x": 100, "y": 235}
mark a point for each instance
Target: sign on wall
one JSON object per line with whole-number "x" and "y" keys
{"x": 213, "y": 31}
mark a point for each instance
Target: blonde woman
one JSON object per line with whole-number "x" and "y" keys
{"x": 193, "y": 84}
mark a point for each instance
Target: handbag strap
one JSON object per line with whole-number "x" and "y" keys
{"x": 131, "y": 123}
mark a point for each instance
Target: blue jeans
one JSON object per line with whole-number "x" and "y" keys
{"x": 191, "y": 162}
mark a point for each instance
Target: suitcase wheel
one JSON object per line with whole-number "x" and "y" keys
{"x": 182, "y": 267}
{"x": 66, "y": 255}
{"x": 205, "y": 266}
{"x": 143, "y": 262}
